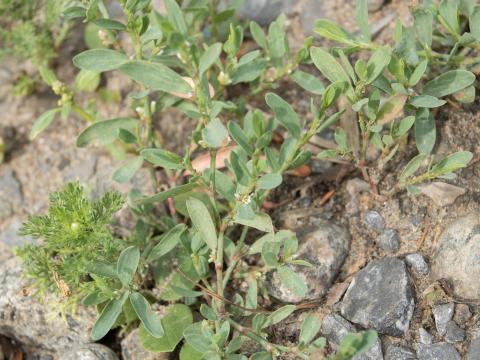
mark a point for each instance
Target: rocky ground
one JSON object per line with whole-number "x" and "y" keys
{"x": 408, "y": 267}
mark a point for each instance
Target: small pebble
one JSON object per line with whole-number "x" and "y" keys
{"x": 442, "y": 314}
{"x": 418, "y": 263}
{"x": 438, "y": 351}
{"x": 462, "y": 314}
{"x": 424, "y": 336}
{"x": 374, "y": 221}
{"x": 389, "y": 240}
{"x": 399, "y": 353}
{"x": 454, "y": 333}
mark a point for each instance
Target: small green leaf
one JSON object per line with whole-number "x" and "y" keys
{"x": 261, "y": 222}
{"x": 209, "y": 57}
{"x": 164, "y": 195}
{"x": 452, "y": 162}
{"x": 156, "y": 76}
{"x": 43, "y": 122}
{"x": 94, "y": 298}
{"x": 127, "y": 264}
{"x": 251, "y": 300}
{"x": 258, "y": 34}
{"x": 167, "y": 243}
{"x": 328, "y": 66}
{"x": 108, "y": 317}
{"x": 425, "y": 131}
{"x": 105, "y": 132}
{"x": 100, "y": 60}
{"x": 214, "y": 134}
{"x": 448, "y": 83}
{"x": 412, "y": 166}
{"x": 474, "y": 21}
{"x": 196, "y": 338}
{"x": 202, "y": 221}
{"x": 308, "y": 82}
{"x": 176, "y": 319}
{"x": 418, "y": 73}
{"x": 125, "y": 173}
{"x": 149, "y": 319}
{"x": 276, "y": 38}
{"x": 426, "y": 101}
{"x": 163, "y": 158}
{"x": 110, "y": 24}
{"x": 332, "y": 31}
{"x": 284, "y": 113}
{"x": 405, "y": 125}
{"x": 269, "y": 181}
{"x": 310, "y": 328}
{"x": 237, "y": 133}
{"x": 175, "y": 16}
{"x": 377, "y": 63}
{"x": 292, "y": 281}
{"x": 423, "y": 20}
{"x": 279, "y": 315}
{"x": 356, "y": 344}
{"x": 87, "y": 80}
{"x": 362, "y": 18}
{"x": 448, "y": 10}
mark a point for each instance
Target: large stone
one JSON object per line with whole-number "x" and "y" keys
{"x": 381, "y": 296}
{"x": 10, "y": 235}
{"x": 439, "y": 351}
{"x": 89, "y": 352}
{"x": 132, "y": 349}
{"x": 474, "y": 350}
{"x": 34, "y": 324}
{"x": 335, "y": 327}
{"x": 325, "y": 247}
{"x": 456, "y": 256}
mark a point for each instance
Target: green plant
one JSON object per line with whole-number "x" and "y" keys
{"x": 194, "y": 249}
{"x": 32, "y": 30}
{"x": 428, "y": 65}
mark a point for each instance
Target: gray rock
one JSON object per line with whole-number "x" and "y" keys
{"x": 442, "y": 194}
{"x": 442, "y": 315}
{"x": 264, "y": 11}
{"x": 381, "y": 296}
{"x": 374, "y": 221}
{"x": 389, "y": 240}
{"x": 424, "y": 336}
{"x": 10, "y": 193}
{"x": 474, "y": 350}
{"x": 132, "y": 349}
{"x": 418, "y": 263}
{"x": 438, "y": 351}
{"x": 10, "y": 235}
{"x": 81, "y": 170}
{"x": 456, "y": 256}
{"x": 89, "y": 352}
{"x": 454, "y": 333}
{"x": 325, "y": 247}
{"x": 335, "y": 327}
{"x": 375, "y": 5}
{"x": 36, "y": 325}
{"x": 462, "y": 314}
{"x": 399, "y": 353}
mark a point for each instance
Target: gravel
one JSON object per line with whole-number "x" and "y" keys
{"x": 418, "y": 263}
{"x": 454, "y": 333}
{"x": 381, "y": 296}
{"x": 399, "y": 353}
{"x": 442, "y": 315}
{"x": 439, "y": 351}
{"x": 424, "y": 336}
{"x": 389, "y": 241}
{"x": 374, "y": 221}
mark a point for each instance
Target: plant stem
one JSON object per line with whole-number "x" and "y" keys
{"x": 236, "y": 257}
{"x": 83, "y": 113}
